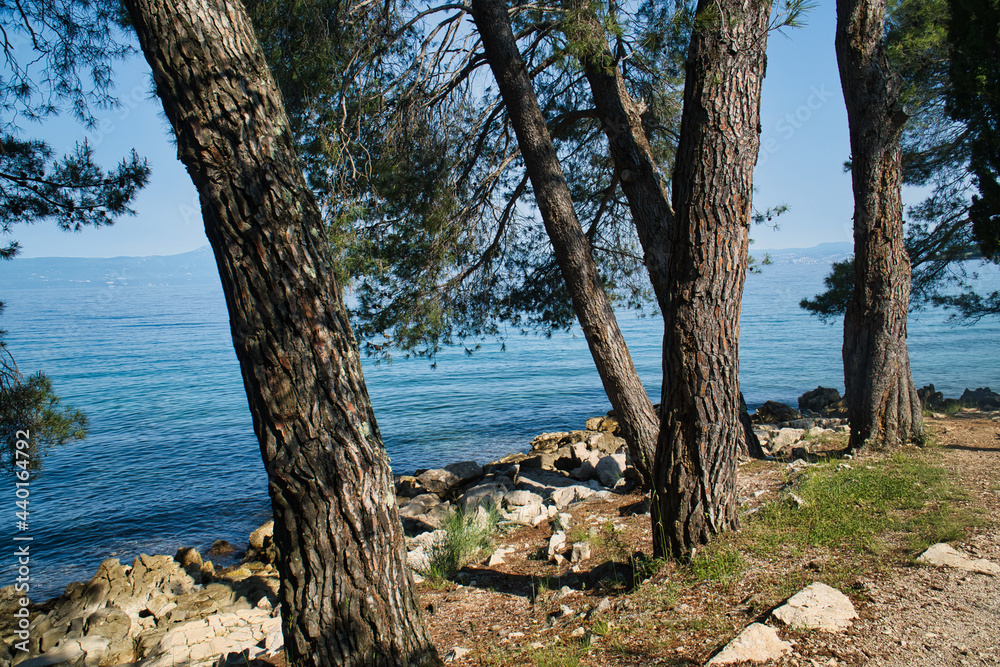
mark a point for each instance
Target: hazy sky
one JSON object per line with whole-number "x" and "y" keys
{"x": 804, "y": 144}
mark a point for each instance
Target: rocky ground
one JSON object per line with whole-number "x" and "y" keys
{"x": 568, "y": 581}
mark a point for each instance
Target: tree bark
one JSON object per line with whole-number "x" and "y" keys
{"x": 882, "y": 404}
{"x": 640, "y": 176}
{"x": 633, "y": 408}
{"x": 695, "y": 468}
{"x": 346, "y": 593}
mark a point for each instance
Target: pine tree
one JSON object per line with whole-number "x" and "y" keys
{"x": 346, "y": 591}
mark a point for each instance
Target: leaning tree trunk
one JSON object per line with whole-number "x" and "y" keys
{"x": 641, "y": 180}
{"x": 882, "y": 403}
{"x": 633, "y": 408}
{"x": 695, "y": 470}
{"x": 621, "y": 120}
{"x": 346, "y": 593}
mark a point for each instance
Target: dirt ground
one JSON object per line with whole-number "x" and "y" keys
{"x": 926, "y": 616}
{"x": 603, "y": 611}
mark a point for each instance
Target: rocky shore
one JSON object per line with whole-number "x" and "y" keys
{"x": 166, "y": 610}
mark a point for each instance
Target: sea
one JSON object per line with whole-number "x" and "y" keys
{"x": 142, "y": 346}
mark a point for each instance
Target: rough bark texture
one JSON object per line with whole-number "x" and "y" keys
{"x": 346, "y": 592}
{"x": 712, "y": 189}
{"x": 640, "y": 176}
{"x": 628, "y": 397}
{"x": 882, "y": 403}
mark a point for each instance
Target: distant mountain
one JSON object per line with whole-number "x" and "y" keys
{"x": 195, "y": 266}
{"x": 199, "y": 266}
{"x": 823, "y": 253}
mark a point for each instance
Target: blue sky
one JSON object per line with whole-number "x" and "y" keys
{"x": 804, "y": 143}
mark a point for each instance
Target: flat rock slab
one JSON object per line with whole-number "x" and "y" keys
{"x": 942, "y": 555}
{"x": 817, "y": 607}
{"x": 757, "y": 643}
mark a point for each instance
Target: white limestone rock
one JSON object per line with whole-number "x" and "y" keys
{"x": 943, "y": 555}
{"x": 556, "y": 543}
{"x": 817, "y": 607}
{"x": 757, "y": 643}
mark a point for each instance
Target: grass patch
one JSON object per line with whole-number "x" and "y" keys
{"x": 855, "y": 506}
{"x": 722, "y": 564}
{"x": 466, "y": 536}
{"x": 566, "y": 654}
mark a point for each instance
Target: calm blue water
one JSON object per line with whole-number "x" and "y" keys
{"x": 171, "y": 458}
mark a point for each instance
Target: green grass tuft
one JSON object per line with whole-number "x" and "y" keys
{"x": 722, "y": 564}
{"x": 466, "y": 536}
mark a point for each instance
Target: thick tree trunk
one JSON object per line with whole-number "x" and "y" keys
{"x": 628, "y": 397}
{"x": 346, "y": 592}
{"x": 882, "y": 403}
{"x": 695, "y": 469}
{"x": 640, "y": 176}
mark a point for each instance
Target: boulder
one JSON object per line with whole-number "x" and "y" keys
{"x": 764, "y": 434}
{"x": 585, "y": 471}
{"x": 943, "y": 555}
{"x": 785, "y": 438}
{"x": 425, "y": 512}
{"x": 527, "y": 515}
{"x": 202, "y": 641}
{"x": 550, "y": 442}
{"x": 564, "y": 496}
{"x": 407, "y": 486}
{"x": 547, "y": 442}
{"x": 443, "y": 480}
{"x": 559, "y": 459}
{"x": 110, "y": 622}
{"x": 221, "y": 548}
{"x": 605, "y": 442}
{"x": 817, "y": 607}
{"x": 484, "y": 495}
{"x": 261, "y": 538}
{"x": 757, "y": 643}
{"x": 610, "y": 469}
{"x": 520, "y": 497}
{"x": 773, "y": 412}
{"x": 581, "y": 452}
{"x": 982, "y": 398}
{"x": 89, "y": 649}
{"x": 556, "y": 543}
{"x": 189, "y": 558}
{"x": 931, "y": 398}
{"x": 418, "y": 560}
{"x": 607, "y": 424}
{"x": 822, "y": 400}
{"x": 542, "y": 482}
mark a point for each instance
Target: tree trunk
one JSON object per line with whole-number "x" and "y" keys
{"x": 695, "y": 468}
{"x": 882, "y": 403}
{"x": 640, "y": 176}
{"x": 346, "y": 593}
{"x": 638, "y": 419}
{"x": 621, "y": 118}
